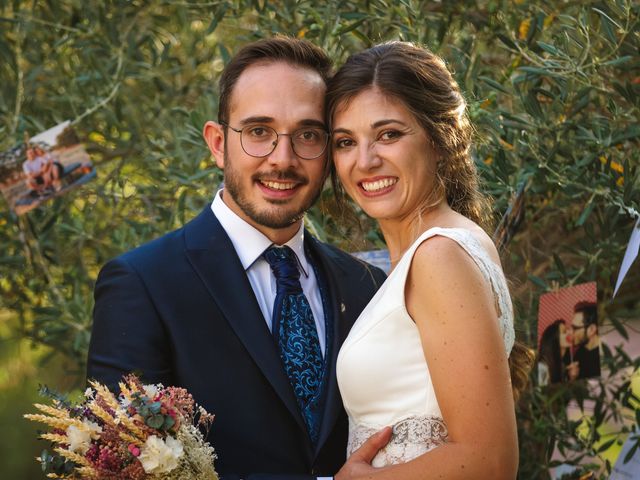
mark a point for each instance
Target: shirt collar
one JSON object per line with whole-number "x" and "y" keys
{"x": 249, "y": 242}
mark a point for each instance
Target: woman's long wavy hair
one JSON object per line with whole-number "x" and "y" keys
{"x": 421, "y": 81}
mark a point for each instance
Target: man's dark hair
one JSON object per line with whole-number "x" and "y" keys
{"x": 280, "y": 48}
{"x": 589, "y": 313}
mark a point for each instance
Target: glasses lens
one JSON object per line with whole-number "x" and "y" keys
{"x": 258, "y": 140}
{"x": 309, "y": 143}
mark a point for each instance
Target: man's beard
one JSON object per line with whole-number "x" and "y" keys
{"x": 279, "y": 215}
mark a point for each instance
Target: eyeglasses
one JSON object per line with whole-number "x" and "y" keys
{"x": 260, "y": 140}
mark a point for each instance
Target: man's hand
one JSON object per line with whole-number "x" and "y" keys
{"x": 573, "y": 370}
{"x": 359, "y": 463}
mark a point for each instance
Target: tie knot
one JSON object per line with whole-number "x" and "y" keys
{"x": 284, "y": 266}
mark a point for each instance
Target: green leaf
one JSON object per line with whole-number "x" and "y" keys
{"x": 538, "y": 71}
{"x": 155, "y": 421}
{"x": 606, "y": 445}
{"x": 507, "y": 41}
{"x": 617, "y": 324}
{"x": 224, "y": 53}
{"x": 560, "y": 266}
{"x": 493, "y": 84}
{"x": 168, "y": 422}
{"x": 549, "y": 48}
{"x": 632, "y": 451}
{"x": 607, "y": 25}
{"x": 155, "y": 407}
{"x": 351, "y": 26}
{"x": 586, "y": 212}
{"x": 619, "y": 60}
{"x": 537, "y": 281}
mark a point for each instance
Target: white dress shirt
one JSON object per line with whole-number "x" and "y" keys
{"x": 250, "y": 244}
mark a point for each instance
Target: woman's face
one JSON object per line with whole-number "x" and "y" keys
{"x": 564, "y": 337}
{"x": 383, "y": 157}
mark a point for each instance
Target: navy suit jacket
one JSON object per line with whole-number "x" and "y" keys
{"x": 180, "y": 311}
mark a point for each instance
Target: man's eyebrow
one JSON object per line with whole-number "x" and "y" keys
{"x": 312, "y": 122}
{"x": 256, "y": 119}
{"x": 341, "y": 130}
{"x": 307, "y": 122}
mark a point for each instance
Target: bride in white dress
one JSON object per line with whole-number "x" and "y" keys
{"x": 429, "y": 355}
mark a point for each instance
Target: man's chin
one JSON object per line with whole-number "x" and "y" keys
{"x": 277, "y": 218}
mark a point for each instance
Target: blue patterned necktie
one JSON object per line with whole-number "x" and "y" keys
{"x": 295, "y": 332}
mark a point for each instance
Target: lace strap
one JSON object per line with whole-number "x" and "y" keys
{"x": 490, "y": 271}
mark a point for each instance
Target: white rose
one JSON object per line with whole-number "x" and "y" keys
{"x": 150, "y": 391}
{"x": 160, "y": 456}
{"x": 80, "y": 437}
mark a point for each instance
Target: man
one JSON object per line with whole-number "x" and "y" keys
{"x": 41, "y": 171}
{"x": 584, "y": 326}
{"x": 202, "y": 306}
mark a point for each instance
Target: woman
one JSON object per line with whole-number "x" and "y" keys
{"x": 428, "y": 355}
{"x": 555, "y": 354}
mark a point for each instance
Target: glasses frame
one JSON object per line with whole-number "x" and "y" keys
{"x": 278, "y": 135}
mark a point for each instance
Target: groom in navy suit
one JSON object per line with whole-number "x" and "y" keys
{"x": 195, "y": 308}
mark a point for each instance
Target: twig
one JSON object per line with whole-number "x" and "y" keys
{"x": 19, "y": 81}
{"x": 37, "y": 258}
{"x": 57, "y": 26}
{"x": 109, "y": 97}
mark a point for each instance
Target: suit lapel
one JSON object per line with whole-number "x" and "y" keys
{"x": 335, "y": 281}
{"x": 213, "y": 257}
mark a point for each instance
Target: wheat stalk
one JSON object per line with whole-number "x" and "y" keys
{"x": 53, "y": 411}
{"x": 101, "y": 413}
{"x": 106, "y": 395}
{"x": 54, "y": 437}
{"x": 74, "y": 457}
{"x": 61, "y": 423}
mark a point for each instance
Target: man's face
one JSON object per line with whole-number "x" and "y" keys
{"x": 272, "y": 192}
{"x": 578, "y": 328}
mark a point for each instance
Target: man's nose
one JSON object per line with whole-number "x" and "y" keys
{"x": 283, "y": 154}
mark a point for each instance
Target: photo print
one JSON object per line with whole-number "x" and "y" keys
{"x": 43, "y": 167}
{"x": 568, "y": 339}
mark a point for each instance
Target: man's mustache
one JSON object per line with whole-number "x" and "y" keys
{"x": 286, "y": 175}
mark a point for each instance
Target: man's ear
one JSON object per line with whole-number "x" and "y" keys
{"x": 213, "y": 134}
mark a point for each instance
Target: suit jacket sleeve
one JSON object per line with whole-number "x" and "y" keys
{"x": 128, "y": 334}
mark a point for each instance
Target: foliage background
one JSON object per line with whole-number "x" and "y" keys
{"x": 553, "y": 89}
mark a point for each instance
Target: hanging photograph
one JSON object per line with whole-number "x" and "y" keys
{"x": 568, "y": 339}
{"x": 43, "y": 167}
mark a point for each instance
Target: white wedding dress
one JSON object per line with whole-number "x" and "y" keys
{"x": 382, "y": 373}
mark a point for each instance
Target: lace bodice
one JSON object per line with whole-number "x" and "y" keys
{"x": 382, "y": 372}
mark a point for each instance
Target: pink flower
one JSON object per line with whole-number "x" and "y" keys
{"x": 135, "y": 451}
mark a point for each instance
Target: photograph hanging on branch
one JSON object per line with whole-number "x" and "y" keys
{"x": 43, "y": 167}
{"x": 568, "y": 339}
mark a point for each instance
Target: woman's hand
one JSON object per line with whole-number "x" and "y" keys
{"x": 359, "y": 463}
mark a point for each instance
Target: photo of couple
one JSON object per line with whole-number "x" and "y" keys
{"x": 569, "y": 347}
{"x": 43, "y": 167}
{"x": 316, "y": 364}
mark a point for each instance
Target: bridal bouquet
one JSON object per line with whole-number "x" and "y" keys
{"x": 147, "y": 432}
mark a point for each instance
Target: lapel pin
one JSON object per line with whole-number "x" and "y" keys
{"x": 342, "y": 308}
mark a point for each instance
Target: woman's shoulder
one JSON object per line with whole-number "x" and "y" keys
{"x": 456, "y": 236}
